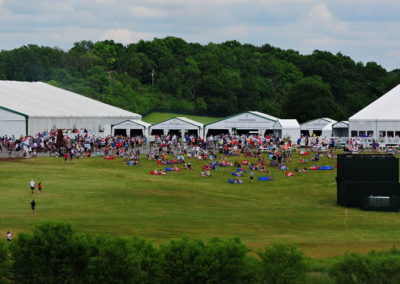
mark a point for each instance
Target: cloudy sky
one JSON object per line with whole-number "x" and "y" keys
{"x": 366, "y": 30}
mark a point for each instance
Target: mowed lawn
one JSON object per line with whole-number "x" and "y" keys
{"x": 107, "y": 196}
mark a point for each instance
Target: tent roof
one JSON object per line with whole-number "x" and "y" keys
{"x": 135, "y": 121}
{"x": 181, "y": 118}
{"x": 387, "y": 107}
{"x": 289, "y": 123}
{"x": 259, "y": 114}
{"x": 328, "y": 126}
{"x": 191, "y": 121}
{"x": 270, "y": 117}
{"x": 327, "y": 119}
{"x": 37, "y": 99}
{"x": 341, "y": 124}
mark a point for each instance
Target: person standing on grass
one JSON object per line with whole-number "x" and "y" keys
{"x": 33, "y": 205}
{"x": 8, "y": 236}
{"x": 251, "y": 176}
{"x": 39, "y": 187}
{"x": 32, "y": 184}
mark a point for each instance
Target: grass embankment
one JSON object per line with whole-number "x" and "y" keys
{"x": 156, "y": 117}
{"x": 107, "y": 196}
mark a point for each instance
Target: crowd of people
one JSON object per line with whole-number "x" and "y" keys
{"x": 216, "y": 148}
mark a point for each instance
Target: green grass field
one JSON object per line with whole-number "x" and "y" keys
{"x": 156, "y": 117}
{"x": 107, "y": 196}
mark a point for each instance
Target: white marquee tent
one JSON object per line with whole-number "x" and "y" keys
{"x": 380, "y": 118}
{"x": 131, "y": 128}
{"x": 287, "y": 128}
{"x": 245, "y": 122}
{"x": 177, "y": 125}
{"x": 327, "y": 130}
{"x": 27, "y": 108}
{"x": 315, "y": 126}
{"x": 340, "y": 129}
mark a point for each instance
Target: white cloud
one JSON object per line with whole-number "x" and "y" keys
{"x": 363, "y": 29}
{"x": 145, "y": 12}
{"x": 126, "y": 36}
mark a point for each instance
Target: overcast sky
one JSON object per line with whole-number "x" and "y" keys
{"x": 366, "y": 30}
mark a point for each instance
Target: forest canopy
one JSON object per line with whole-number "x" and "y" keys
{"x": 213, "y": 79}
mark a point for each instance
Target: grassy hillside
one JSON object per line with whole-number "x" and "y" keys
{"x": 107, "y": 196}
{"x": 156, "y": 117}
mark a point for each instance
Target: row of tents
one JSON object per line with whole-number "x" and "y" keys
{"x": 29, "y": 108}
{"x": 250, "y": 122}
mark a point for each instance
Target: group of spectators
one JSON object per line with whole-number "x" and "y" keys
{"x": 80, "y": 143}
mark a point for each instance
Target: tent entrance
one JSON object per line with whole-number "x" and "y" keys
{"x": 268, "y": 132}
{"x": 340, "y": 132}
{"x": 136, "y": 132}
{"x": 120, "y": 132}
{"x": 246, "y": 131}
{"x": 176, "y": 132}
{"x": 317, "y": 132}
{"x": 215, "y": 132}
{"x": 193, "y": 132}
{"x": 305, "y": 133}
{"x": 158, "y": 132}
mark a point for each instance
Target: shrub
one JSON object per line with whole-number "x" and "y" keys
{"x": 4, "y": 261}
{"x": 124, "y": 261}
{"x": 51, "y": 255}
{"x": 282, "y": 263}
{"x": 370, "y": 268}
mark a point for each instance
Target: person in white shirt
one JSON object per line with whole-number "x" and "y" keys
{"x": 32, "y": 186}
{"x": 8, "y": 236}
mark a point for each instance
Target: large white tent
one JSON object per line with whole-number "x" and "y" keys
{"x": 315, "y": 126}
{"x": 287, "y": 128}
{"x": 27, "y": 108}
{"x": 245, "y": 122}
{"x": 381, "y": 118}
{"x": 131, "y": 128}
{"x": 178, "y": 126}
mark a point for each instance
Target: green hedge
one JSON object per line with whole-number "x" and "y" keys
{"x": 55, "y": 253}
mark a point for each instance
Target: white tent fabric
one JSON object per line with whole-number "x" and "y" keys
{"x": 250, "y": 120}
{"x": 131, "y": 124}
{"x": 327, "y": 130}
{"x": 287, "y": 128}
{"x": 340, "y": 129}
{"x": 47, "y": 107}
{"x": 316, "y": 125}
{"x": 380, "y": 118}
{"x": 180, "y": 123}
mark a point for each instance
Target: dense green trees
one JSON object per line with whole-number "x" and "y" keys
{"x": 220, "y": 79}
{"x": 55, "y": 253}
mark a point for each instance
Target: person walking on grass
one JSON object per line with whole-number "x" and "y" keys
{"x": 33, "y": 205}
{"x": 39, "y": 187}
{"x": 32, "y": 184}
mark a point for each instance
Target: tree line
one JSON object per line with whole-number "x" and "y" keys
{"x": 218, "y": 79}
{"x": 55, "y": 253}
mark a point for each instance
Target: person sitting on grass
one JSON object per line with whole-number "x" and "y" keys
{"x": 208, "y": 173}
{"x": 316, "y": 158}
{"x": 202, "y": 173}
{"x": 237, "y": 180}
{"x": 304, "y": 170}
